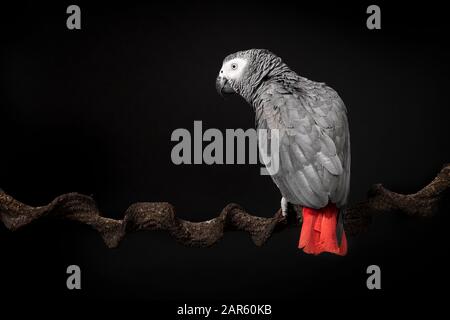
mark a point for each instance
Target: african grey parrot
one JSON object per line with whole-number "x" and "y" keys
{"x": 314, "y": 141}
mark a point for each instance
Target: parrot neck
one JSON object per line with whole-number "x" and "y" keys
{"x": 272, "y": 75}
{"x": 257, "y": 84}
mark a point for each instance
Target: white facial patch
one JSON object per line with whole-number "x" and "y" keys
{"x": 233, "y": 69}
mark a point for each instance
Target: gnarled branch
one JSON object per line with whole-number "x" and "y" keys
{"x": 161, "y": 215}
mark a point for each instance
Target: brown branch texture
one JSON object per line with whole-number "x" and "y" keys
{"x": 151, "y": 216}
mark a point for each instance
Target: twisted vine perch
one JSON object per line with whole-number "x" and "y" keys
{"x": 161, "y": 215}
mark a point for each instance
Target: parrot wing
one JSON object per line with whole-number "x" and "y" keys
{"x": 314, "y": 141}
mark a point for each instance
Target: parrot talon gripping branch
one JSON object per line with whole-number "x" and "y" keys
{"x": 151, "y": 216}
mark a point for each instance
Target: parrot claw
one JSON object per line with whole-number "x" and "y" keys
{"x": 284, "y": 206}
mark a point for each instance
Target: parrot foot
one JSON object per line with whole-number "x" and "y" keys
{"x": 284, "y": 206}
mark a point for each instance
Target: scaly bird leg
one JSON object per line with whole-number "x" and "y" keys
{"x": 284, "y": 206}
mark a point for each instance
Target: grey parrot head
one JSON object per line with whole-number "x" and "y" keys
{"x": 242, "y": 72}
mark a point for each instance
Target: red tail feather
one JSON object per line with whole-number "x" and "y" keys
{"x": 319, "y": 231}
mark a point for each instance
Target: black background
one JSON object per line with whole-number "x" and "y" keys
{"x": 92, "y": 111}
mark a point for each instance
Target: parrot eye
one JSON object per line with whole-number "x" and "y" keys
{"x": 234, "y": 66}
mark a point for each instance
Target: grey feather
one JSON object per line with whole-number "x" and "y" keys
{"x": 314, "y": 151}
{"x": 313, "y": 126}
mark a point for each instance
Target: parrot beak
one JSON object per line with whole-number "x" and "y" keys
{"x": 223, "y": 86}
